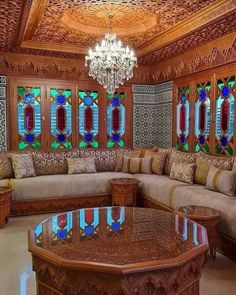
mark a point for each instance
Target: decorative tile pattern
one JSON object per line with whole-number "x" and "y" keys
{"x": 152, "y": 115}
{"x": 3, "y": 113}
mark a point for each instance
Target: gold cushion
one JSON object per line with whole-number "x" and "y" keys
{"x": 221, "y": 181}
{"x": 120, "y": 157}
{"x": 81, "y": 165}
{"x": 158, "y": 161}
{"x": 22, "y": 165}
{"x": 182, "y": 171}
{"x": 137, "y": 165}
{"x": 6, "y": 169}
{"x": 204, "y": 162}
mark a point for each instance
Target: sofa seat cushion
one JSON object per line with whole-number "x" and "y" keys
{"x": 63, "y": 185}
{"x": 200, "y": 196}
{"x": 159, "y": 188}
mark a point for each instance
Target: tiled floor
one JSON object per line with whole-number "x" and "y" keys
{"x": 16, "y": 277}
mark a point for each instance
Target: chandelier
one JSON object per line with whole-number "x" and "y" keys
{"x": 111, "y": 63}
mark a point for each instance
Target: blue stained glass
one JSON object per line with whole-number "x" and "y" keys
{"x": 29, "y": 98}
{"x": 203, "y": 95}
{"x": 225, "y": 91}
{"x": 88, "y": 101}
{"x": 183, "y": 98}
{"x": 201, "y": 139}
{"x": 29, "y": 138}
{"x": 224, "y": 141}
{"x": 89, "y": 230}
{"x": 182, "y": 138}
{"x": 115, "y": 137}
{"x": 115, "y": 102}
{"x": 61, "y": 99}
{"x": 115, "y": 226}
{"x": 61, "y": 137}
{"x": 88, "y": 137}
{"x": 62, "y": 234}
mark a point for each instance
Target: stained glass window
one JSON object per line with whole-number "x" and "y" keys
{"x": 61, "y": 226}
{"x": 88, "y": 118}
{"x": 182, "y": 123}
{"x": 61, "y": 121}
{"x": 202, "y": 117}
{"x": 38, "y": 233}
{"x": 224, "y": 121}
{"x": 29, "y": 117}
{"x": 115, "y": 120}
{"x": 115, "y": 219}
{"x": 88, "y": 222}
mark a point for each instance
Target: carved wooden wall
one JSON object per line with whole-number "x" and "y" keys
{"x": 204, "y": 111}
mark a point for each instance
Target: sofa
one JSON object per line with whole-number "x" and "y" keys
{"x": 52, "y": 189}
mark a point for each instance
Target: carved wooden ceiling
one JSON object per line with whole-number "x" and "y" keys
{"x": 155, "y": 29}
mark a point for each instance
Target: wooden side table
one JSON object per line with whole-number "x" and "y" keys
{"x": 124, "y": 191}
{"x": 207, "y": 217}
{"x": 5, "y": 203}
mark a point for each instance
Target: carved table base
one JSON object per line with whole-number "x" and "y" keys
{"x": 5, "y": 203}
{"x": 181, "y": 280}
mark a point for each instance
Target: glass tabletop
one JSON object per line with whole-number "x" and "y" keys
{"x": 117, "y": 235}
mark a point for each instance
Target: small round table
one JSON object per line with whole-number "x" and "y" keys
{"x": 124, "y": 191}
{"x": 5, "y": 203}
{"x": 207, "y": 217}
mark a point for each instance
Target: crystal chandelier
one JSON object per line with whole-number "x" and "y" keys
{"x": 111, "y": 63}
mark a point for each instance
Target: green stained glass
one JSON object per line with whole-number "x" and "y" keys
{"x": 218, "y": 150}
{"x": 36, "y": 145}
{"x": 22, "y": 145}
{"x": 205, "y": 148}
{"x": 67, "y": 144}
{"x": 53, "y": 92}
{"x": 197, "y": 148}
{"x": 179, "y": 146}
{"x": 67, "y": 94}
{"x": 55, "y": 145}
{"x": 21, "y": 91}
{"x": 110, "y": 144}
{"x": 186, "y": 147}
{"x": 208, "y": 87}
{"x": 121, "y": 143}
{"x": 231, "y": 82}
{"x": 94, "y": 144}
{"x": 83, "y": 144}
{"x": 199, "y": 87}
{"x": 229, "y": 151}
{"x": 36, "y": 91}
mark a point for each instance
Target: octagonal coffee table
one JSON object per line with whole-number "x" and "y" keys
{"x": 118, "y": 250}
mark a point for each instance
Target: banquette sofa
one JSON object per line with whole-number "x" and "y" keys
{"x": 53, "y": 190}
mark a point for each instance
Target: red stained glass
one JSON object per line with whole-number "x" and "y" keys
{"x": 182, "y": 118}
{"x": 224, "y": 115}
{"x": 115, "y": 119}
{"x": 89, "y": 216}
{"x": 29, "y": 118}
{"x": 116, "y": 213}
{"x": 61, "y": 119}
{"x": 88, "y": 119}
{"x": 62, "y": 220}
{"x": 202, "y": 116}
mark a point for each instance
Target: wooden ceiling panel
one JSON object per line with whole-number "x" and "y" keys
{"x": 155, "y": 29}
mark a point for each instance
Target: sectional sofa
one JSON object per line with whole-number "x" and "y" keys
{"x": 53, "y": 190}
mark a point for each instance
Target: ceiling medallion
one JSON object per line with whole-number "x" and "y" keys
{"x": 111, "y": 63}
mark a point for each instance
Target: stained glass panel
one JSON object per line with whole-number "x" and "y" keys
{"x": 115, "y": 219}
{"x": 183, "y": 109}
{"x": 88, "y": 118}
{"x": 29, "y": 117}
{"x": 202, "y": 116}
{"x": 61, "y": 226}
{"x": 115, "y": 120}
{"x": 224, "y": 121}
{"x": 88, "y": 222}
{"x": 61, "y": 118}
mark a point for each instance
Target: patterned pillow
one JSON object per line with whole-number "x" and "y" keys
{"x": 182, "y": 171}
{"x": 158, "y": 161}
{"x": 178, "y": 157}
{"x": 6, "y": 169}
{"x": 22, "y": 165}
{"x": 53, "y": 162}
{"x": 204, "y": 161}
{"x": 105, "y": 159}
{"x": 81, "y": 165}
{"x": 137, "y": 165}
{"x": 120, "y": 157}
{"x": 221, "y": 181}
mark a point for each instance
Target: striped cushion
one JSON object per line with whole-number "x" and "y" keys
{"x": 221, "y": 181}
{"x": 137, "y": 165}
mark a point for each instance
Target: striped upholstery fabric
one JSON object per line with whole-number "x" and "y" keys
{"x": 221, "y": 181}
{"x": 137, "y": 165}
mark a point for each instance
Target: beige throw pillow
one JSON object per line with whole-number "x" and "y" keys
{"x": 221, "y": 181}
{"x": 158, "y": 161}
{"x": 182, "y": 171}
{"x": 81, "y": 165}
{"x": 22, "y": 165}
{"x": 120, "y": 157}
{"x": 137, "y": 165}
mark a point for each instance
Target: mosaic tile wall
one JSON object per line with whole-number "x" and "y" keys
{"x": 152, "y": 115}
{"x": 3, "y": 113}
